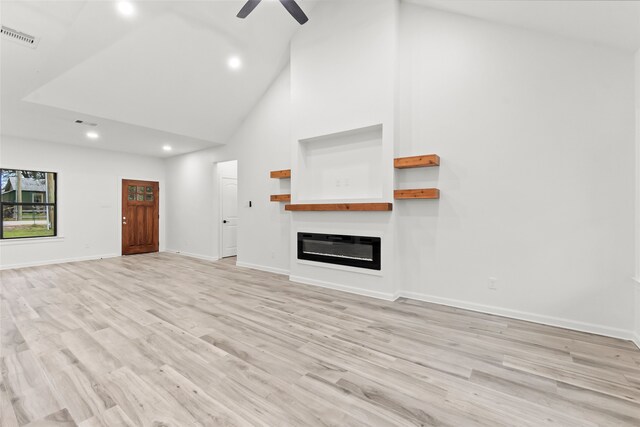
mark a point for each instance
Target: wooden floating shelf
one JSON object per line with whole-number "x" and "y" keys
{"x": 281, "y": 197}
{"x": 355, "y": 207}
{"x": 285, "y": 173}
{"x": 423, "y": 161}
{"x": 420, "y": 193}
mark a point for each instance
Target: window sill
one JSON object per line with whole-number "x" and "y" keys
{"x": 30, "y": 240}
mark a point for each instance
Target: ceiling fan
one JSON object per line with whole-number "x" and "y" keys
{"x": 291, "y": 6}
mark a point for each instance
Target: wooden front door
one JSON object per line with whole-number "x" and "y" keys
{"x": 140, "y": 217}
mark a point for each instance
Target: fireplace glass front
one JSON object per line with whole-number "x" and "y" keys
{"x": 353, "y": 251}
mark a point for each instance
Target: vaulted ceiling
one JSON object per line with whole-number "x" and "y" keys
{"x": 613, "y": 23}
{"x": 159, "y": 77}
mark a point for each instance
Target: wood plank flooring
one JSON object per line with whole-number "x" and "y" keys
{"x": 165, "y": 340}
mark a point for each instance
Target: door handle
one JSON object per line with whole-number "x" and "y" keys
{"x": 224, "y": 221}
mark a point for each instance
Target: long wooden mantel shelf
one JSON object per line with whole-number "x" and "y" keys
{"x": 354, "y": 207}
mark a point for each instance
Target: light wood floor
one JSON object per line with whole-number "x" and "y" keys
{"x": 163, "y": 340}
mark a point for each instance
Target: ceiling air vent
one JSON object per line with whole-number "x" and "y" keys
{"x": 18, "y": 37}
{"x": 82, "y": 122}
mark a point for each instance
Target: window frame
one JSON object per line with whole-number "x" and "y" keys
{"x": 45, "y": 204}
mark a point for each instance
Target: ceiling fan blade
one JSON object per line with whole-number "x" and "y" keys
{"x": 295, "y": 10}
{"x": 248, "y": 8}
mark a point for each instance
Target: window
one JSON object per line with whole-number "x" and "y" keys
{"x": 28, "y": 202}
{"x": 140, "y": 193}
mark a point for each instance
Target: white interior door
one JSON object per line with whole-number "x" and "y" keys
{"x": 229, "y": 217}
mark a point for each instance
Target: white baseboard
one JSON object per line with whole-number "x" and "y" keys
{"x": 523, "y": 315}
{"x": 498, "y": 311}
{"x": 352, "y": 290}
{"x": 56, "y": 261}
{"x": 190, "y": 255}
{"x": 262, "y": 268}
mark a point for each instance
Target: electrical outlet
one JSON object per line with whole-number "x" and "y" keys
{"x": 493, "y": 283}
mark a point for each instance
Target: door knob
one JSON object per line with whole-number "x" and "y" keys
{"x": 224, "y": 221}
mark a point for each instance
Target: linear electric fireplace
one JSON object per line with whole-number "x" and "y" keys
{"x": 354, "y": 251}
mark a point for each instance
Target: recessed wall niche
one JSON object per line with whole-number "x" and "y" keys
{"x": 343, "y": 166}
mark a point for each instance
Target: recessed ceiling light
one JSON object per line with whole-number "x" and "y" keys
{"x": 126, "y": 8}
{"x": 92, "y": 135}
{"x": 234, "y": 63}
{"x": 166, "y": 148}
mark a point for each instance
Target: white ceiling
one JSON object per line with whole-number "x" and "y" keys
{"x": 607, "y": 22}
{"x": 161, "y": 77}
{"x": 158, "y": 78}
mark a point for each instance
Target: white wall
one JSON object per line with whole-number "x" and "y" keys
{"x": 536, "y": 138}
{"x": 89, "y": 199}
{"x": 637, "y": 276}
{"x": 259, "y": 146}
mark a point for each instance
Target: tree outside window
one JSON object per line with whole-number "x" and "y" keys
{"x": 28, "y": 203}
